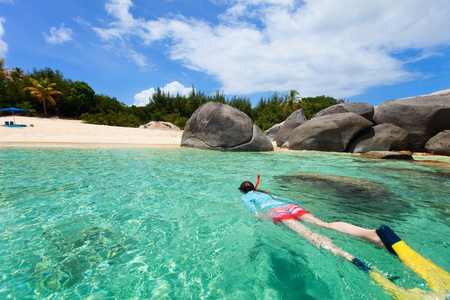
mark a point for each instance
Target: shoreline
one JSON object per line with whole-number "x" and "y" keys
{"x": 55, "y": 132}
{"x": 69, "y": 133}
{"x": 82, "y": 145}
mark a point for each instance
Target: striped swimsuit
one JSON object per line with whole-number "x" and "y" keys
{"x": 275, "y": 207}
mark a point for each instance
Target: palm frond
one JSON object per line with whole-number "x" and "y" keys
{"x": 50, "y": 98}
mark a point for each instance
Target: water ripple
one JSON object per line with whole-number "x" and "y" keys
{"x": 153, "y": 223}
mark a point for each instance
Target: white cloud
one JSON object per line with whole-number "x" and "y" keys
{"x": 137, "y": 57}
{"x": 82, "y": 21}
{"x": 3, "y": 45}
{"x": 174, "y": 88}
{"x": 337, "y": 48}
{"x": 143, "y": 98}
{"x": 59, "y": 35}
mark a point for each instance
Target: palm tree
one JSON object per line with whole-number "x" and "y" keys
{"x": 17, "y": 74}
{"x": 43, "y": 90}
{"x": 292, "y": 101}
{"x": 5, "y": 72}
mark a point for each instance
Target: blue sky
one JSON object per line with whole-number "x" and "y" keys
{"x": 358, "y": 50}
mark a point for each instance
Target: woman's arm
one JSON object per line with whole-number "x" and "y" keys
{"x": 249, "y": 203}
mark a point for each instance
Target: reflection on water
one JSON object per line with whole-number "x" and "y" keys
{"x": 169, "y": 224}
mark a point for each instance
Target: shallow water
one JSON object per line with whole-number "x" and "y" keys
{"x": 169, "y": 223}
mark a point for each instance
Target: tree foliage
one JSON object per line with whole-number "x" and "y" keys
{"x": 81, "y": 97}
{"x": 48, "y": 92}
{"x": 312, "y": 105}
{"x": 5, "y": 73}
{"x": 43, "y": 90}
{"x": 292, "y": 101}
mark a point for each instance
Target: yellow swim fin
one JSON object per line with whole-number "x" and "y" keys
{"x": 396, "y": 291}
{"x": 402, "y": 293}
{"x": 438, "y": 279}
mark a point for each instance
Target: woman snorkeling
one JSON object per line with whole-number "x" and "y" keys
{"x": 289, "y": 213}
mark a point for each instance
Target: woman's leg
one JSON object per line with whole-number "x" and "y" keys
{"x": 359, "y": 232}
{"x": 315, "y": 239}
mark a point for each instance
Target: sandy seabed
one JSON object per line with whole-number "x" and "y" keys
{"x": 62, "y": 132}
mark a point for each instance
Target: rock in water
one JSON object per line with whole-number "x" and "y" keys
{"x": 218, "y": 126}
{"x": 272, "y": 131}
{"x": 295, "y": 119}
{"x": 384, "y": 137}
{"x": 422, "y": 116}
{"x": 360, "y": 108}
{"x": 439, "y": 144}
{"x": 388, "y": 155}
{"x": 328, "y": 133}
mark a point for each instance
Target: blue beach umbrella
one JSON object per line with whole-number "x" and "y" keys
{"x": 12, "y": 110}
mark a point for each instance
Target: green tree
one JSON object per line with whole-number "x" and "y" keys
{"x": 17, "y": 74}
{"x": 243, "y": 104}
{"x": 10, "y": 83}
{"x": 62, "y": 85}
{"x": 292, "y": 101}
{"x": 312, "y": 105}
{"x": 268, "y": 112}
{"x": 4, "y": 73}
{"x": 42, "y": 91}
{"x": 81, "y": 96}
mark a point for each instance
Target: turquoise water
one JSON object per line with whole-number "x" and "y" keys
{"x": 169, "y": 224}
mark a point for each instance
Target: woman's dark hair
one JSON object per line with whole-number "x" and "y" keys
{"x": 246, "y": 187}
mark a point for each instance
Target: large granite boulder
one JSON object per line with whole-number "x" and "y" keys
{"x": 218, "y": 126}
{"x": 160, "y": 125}
{"x": 384, "y": 137}
{"x": 328, "y": 133}
{"x": 422, "y": 116}
{"x": 295, "y": 119}
{"x": 272, "y": 131}
{"x": 439, "y": 144}
{"x": 365, "y": 110}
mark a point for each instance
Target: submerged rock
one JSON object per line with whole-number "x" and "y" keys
{"x": 350, "y": 194}
{"x": 388, "y": 155}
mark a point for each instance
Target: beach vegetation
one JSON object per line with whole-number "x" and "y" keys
{"x": 268, "y": 112}
{"x": 81, "y": 97}
{"x": 47, "y": 92}
{"x": 30, "y": 111}
{"x": 5, "y": 73}
{"x": 292, "y": 101}
{"x": 312, "y": 105}
{"x": 43, "y": 90}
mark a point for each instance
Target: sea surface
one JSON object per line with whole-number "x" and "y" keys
{"x": 149, "y": 223}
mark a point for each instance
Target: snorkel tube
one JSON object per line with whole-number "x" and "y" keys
{"x": 257, "y": 183}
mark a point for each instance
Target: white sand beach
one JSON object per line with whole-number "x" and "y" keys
{"x": 62, "y": 132}
{"x": 55, "y": 132}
